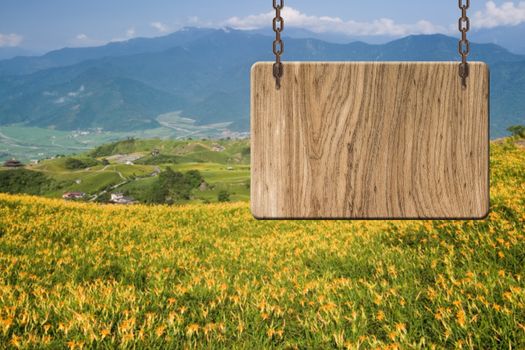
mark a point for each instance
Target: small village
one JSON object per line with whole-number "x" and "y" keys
{"x": 121, "y": 178}
{"x": 115, "y": 198}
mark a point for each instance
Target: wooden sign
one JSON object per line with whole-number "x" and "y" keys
{"x": 370, "y": 140}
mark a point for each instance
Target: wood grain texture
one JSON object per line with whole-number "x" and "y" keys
{"x": 370, "y": 140}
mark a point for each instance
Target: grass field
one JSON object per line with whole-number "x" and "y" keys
{"x": 25, "y": 143}
{"x": 28, "y": 143}
{"x": 210, "y": 276}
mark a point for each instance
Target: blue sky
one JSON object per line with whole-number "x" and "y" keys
{"x": 49, "y": 24}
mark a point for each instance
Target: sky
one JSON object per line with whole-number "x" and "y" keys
{"x": 42, "y": 25}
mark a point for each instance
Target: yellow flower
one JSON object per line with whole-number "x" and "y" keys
{"x": 431, "y": 292}
{"x": 127, "y": 337}
{"x": 15, "y": 341}
{"x": 401, "y": 327}
{"x": 240, "y": 327}
{"x": 460, "y": 317}
{"x": 160, "y": 331}
{"x": 380, "y": 315}
{"x": 270, "y": 332}
{"x": 192, "y": 329}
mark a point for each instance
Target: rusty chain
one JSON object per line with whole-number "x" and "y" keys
{"x": 464, "y": 44}
{"x": 278, "y": 45}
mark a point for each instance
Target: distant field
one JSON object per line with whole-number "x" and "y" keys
{"x": 76, "y": 275}
{"x": 28, "y": 143}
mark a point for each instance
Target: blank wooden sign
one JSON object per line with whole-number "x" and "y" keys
{"x": 370, "y": 140}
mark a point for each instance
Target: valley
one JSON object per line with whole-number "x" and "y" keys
{"x": 29, "y": 144}
{"x": 202, "y": 77}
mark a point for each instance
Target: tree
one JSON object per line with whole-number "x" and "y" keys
{"x": 245, "y": 152}
{"x": 517, "y": 130}
{"x": 25, "y": 181}
{"x": 75, "y": 163}
{"x": 194, "y": 178}
{"x": 223, "y": 196}
{"x": 173, "y": 186}
{"x": 156, "y": 194}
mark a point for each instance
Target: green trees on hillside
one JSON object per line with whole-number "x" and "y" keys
{"x": 158, "y": 160}
{"x": 123, "y": 146}
{"x": 173, "y": 186}
{"x": 517, "y": 130}
{"x": 25, "y": 181}
{"x": 75, "y": 163}
{"x": 223, "y": 196}
{"x": 245, "y": 152}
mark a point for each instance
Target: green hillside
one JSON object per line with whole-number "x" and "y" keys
{"x": 133, "y": 167}
{"x": 94, "y": 98}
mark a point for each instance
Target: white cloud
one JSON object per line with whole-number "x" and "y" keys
{"x": 195, "y": 21}
{"x": 10, "y": 40}
{"x": 85, "y": 40}
{"x": 326, "y": 24}
{"x": 130, "y": 33}
{"x": 76, "y": 93}
{"x": 508, "y": 14}
{"x": 161, "y": 27}
{"x": 68, "y": 97}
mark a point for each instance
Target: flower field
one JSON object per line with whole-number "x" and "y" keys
{"x": 209, "y": 276}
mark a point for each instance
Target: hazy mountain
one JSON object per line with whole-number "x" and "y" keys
{"x": 205, "y": 74}
{"x": 69, "y": 56}
{"x": 507, "y": 96}
{"x": 92, "y": 99}
{"x": 10, "y": 52}
{"x": 336, "y": 38}
{"x": 510, "y": 37}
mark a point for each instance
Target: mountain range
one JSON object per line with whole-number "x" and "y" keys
{"x": 509, "y": 37}
{"x": 204, "y": 74}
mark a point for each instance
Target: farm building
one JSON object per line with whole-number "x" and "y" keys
{"x": 217, "y": 148}
{"x": 73, "y": 195}
{"x": 13, "y": 164}
{"x": 119, "y": 198}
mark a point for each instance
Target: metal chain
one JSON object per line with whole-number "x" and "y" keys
{"x": 278, "y": 45}
{"x": 464, "y": 44}
{"x": 463, "y": 47}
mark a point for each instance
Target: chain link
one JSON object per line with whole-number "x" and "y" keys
{"x": 464, "y": 44}
{"x": 278, "y": 45}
